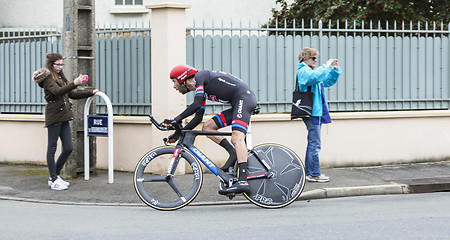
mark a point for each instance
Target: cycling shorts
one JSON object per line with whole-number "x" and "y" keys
{"x": 238, "y": 116}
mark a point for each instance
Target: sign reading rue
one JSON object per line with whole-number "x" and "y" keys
{"x": 97, "y": 126}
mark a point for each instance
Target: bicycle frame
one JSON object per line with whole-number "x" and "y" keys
{"x": 186, "y": 141}
{"x": 275, "y": 173}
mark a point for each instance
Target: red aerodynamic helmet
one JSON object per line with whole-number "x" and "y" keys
{"x": 181, "y": 72}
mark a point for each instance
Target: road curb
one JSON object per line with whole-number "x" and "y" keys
{"x": 31, "y": 200}
{"x": 355, "y": 191}
{"x": 313, "y": 194}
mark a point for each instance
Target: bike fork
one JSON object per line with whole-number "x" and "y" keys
{"x": 174, "y": 162}
{"x": 171, "y": 172}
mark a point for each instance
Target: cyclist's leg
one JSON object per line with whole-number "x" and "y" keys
{"x": 238, "y": 117}
{"x": 242, "y": 110}
{"x": 238, "y": 141}
{"x": 218, "y": 121}
{"x": 215, "y": 123}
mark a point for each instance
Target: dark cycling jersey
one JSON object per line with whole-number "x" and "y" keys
{"x": 225, "y": 88}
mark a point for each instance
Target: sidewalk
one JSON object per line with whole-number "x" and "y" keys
{"x": 29, "y": 183}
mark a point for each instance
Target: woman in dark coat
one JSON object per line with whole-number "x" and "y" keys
{"x": 58, "y": 113}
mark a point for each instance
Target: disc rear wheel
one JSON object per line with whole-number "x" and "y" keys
{"x": 280, "y": 187}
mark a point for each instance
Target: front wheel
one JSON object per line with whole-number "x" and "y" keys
{"x": 163, "y": 191}
{"x": 285, "y": 182}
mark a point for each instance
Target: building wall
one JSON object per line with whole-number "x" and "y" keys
{"x": 23, "y": 13}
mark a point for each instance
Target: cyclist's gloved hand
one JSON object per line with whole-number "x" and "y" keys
{"x": 168, "y": 122}
{"x": 173, "y": 138}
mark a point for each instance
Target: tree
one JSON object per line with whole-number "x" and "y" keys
{"x": 333, "y": 12}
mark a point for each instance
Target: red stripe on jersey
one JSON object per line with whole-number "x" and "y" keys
{"x": 222, "y": 118}
{"x": 240, "y": 123}
{"x": 200, "y": 88}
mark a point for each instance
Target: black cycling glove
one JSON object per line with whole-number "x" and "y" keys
{"x": 174, "y": 136}
{"x": 169, "y": 121}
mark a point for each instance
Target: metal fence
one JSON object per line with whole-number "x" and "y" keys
{"x": 21, "y": 53}
{"x": 382, "y": 69}
{"x": 122, "y": 68}
{"x": 398, "y": 68}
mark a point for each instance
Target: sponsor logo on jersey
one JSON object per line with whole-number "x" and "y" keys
{"x": 224, "y": 81}
{"x": 241, "y": 103}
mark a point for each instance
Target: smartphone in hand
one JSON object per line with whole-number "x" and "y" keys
{"x": 84, "y": 78}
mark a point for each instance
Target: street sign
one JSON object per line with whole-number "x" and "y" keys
{"x": 97, "y": 126}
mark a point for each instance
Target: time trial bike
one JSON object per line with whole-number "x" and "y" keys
{"x": 276, "y": 174}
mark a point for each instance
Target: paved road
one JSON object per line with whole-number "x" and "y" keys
{"x": 406, "y": 216}
{"x": 29, "y": 183}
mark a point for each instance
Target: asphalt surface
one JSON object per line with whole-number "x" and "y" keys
{"x": 29, "y": 183}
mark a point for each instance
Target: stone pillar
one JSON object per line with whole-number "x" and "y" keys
{"x": 168, "y": 49}
{"x": 79, "y": 51}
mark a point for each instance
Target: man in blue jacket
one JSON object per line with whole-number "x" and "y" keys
{"x": 318, "y": 78}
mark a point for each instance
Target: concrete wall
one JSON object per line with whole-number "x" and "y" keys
{"x": 352, "y": 139}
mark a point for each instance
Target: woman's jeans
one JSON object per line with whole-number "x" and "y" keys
{"x": 61, "y": 130}
{"x": 312, "y": 166}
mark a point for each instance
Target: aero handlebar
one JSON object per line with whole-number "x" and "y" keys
{"x": 175, "y": 126}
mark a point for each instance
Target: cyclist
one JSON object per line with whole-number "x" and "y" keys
{"x": 220, "y": 87}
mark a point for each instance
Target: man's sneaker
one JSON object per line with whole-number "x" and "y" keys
{"x": 62, "y": 180}
{"x": 58, "y": 185}
{"x": 238, "y": 187}
{"x": 322, "y": 178}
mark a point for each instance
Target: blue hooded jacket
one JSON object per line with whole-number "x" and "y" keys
{"x": 313, "y": 77}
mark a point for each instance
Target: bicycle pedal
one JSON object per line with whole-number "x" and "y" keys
{"x": 231, "y": 196}
{"x": 228, "y": 194}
